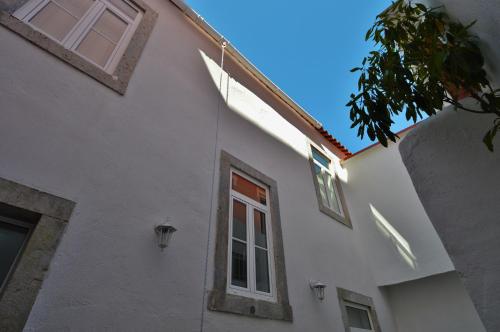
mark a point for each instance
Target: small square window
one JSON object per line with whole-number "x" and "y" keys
{"x": 358, "y": 312}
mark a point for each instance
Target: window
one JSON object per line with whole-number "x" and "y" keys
{"x": 328, "y": 187}
{"x": 250, "y": 264}
{"x": 358, "y": 317}
{"x": 31, "y": 225}
{"x": 358, "y": 312}
{"x": 98, "y": 30}
{"x": 13, "y": 237}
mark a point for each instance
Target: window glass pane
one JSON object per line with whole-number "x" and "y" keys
{"x": 11, "y": 241}
{"x": 96, "y": 48}
{"x": 320, "y": 158}
{"x": 110, "y": 26}
{"x": 54, "y": 21}
{"x": 239, "y": 264}
{"x": 249, "y": 189}
{"x": 259, "y": 222}
{"x": 125, "y": 8}
{"x": 75, "y": 7}
{"x": 321, "y": 185}
{"x": 332, "y": 195}
{"x": 261, "y": 270}
{"x": 358, "y": 318}
{"x": 239, "y": 220}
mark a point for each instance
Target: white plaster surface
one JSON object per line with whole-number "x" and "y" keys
{"x": 399, "y": 240}
{"x": 486, "y": 13}
{"x": 130, "y": 161}
{"x": 440, "y": 301}
{"x": 457, "y": 180}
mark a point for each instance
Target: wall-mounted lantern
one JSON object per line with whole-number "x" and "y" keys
{"x": 319, "y": 289}
{"x": 164, "y": 233}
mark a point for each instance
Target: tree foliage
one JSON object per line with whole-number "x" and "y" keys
{"x": 422, "y": 60}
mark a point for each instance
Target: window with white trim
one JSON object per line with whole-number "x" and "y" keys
{"x": 358, "y": 317}
{"x": 327, "y": 186}
{"x": 97, "y": 30}
{"x": 250, "y": 259}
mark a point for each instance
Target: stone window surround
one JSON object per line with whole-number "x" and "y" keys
{"x": 219, "y": 299}
{"x": 345, "y": 219}
{"x": 345, "y": 295}
{"x": 21, "y": 289}
{"x": 118, "y": 81}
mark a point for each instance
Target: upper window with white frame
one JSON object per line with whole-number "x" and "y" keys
{"x": 328, "y": 188}
{"x": 250, "y": 261}
{"x": 97, "y": 30}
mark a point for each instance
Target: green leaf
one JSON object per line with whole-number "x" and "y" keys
{"x": 420, "y": 54}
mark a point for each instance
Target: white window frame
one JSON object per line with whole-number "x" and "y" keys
{"x": 361, "y": 307}
{"x": 251, "y": 290}
{"x": 22, "y": 224}
{"x": 333, "y": 175}
{"x": 75, "y": 36}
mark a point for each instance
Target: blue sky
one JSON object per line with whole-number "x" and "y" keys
{"x": 305, "y": 47}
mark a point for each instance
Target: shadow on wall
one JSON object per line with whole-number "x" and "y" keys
{"x": 402, "y": 246}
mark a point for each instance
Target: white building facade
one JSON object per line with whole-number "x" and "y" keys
{"x": 115, "y": 116}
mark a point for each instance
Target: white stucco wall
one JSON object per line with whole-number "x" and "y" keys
{"x": 486, "y": 13}
{"x": 457, "y": 179}
{"x": 440, "y": 301}
{"x": 399, "y": 240}
{"x": 130, "y": 161}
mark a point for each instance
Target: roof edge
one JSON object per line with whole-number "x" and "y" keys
{"x": 200, "y": 22}
{"x": 369, "y": 147}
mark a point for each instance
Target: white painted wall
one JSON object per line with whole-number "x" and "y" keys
{"x": 434, "y": 304}
{"x": 457, "y": 180}
{"x": 399, "y": 240}
{"x": 130, "y": 161}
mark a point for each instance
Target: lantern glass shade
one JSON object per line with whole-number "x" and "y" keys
{"x": 319, "y": 289}
{"x": 164, "y": 234}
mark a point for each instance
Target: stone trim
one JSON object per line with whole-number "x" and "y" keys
{"x": 118, "y": 81}
{"x": 345, "y": 220}
{"x": 219, "y": 299}
{"x": 20, "y": 291}
{"x": 345, "y": 295}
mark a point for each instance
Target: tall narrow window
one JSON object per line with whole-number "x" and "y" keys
{"x": 98, "y": 30}
{"x": 250, "y": 272}
{"x": 327, "y": 187}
